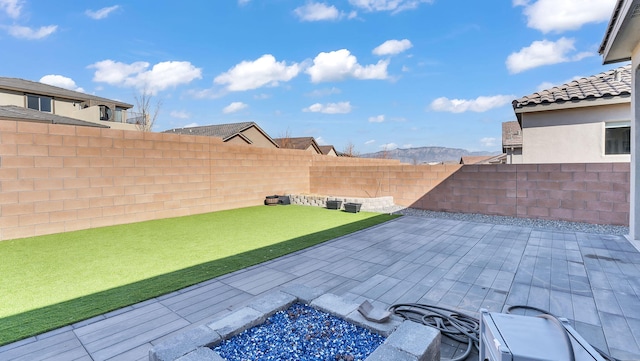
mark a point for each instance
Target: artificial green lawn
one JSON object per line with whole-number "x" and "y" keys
{"x": 50, "y": 281}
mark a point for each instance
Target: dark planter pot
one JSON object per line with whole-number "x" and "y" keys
{"x": 271, "y": 200}
{"x": 334, "y": 204}
{"x": 285, "y": 200}
{"x": 352, "y": 207}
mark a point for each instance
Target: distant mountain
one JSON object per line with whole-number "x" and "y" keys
{"x": 426, "y": 155}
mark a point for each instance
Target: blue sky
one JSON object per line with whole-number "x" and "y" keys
{"x": 375, "y": 73}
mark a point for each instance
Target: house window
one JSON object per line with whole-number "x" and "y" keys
{"x": 105, "y": 113}
{"x": 39, "y": 102}
{"x": 617, "y": 138}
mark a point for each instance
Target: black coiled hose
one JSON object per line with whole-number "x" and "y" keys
{"x": 452, "y": 324}
{"x": 464, "y": 328}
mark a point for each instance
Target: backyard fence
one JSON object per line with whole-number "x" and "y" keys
{"x": 56, "y": 178}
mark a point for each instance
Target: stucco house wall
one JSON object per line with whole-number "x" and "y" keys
{"x": 570, "y": 135}
{"x": 258, "y": 139}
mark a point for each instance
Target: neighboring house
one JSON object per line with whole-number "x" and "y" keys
{"x": 62, "y": 102}
{"x": 233, "y": 133}
{"x": 13, "y": 112}
{"x": 584, "y": 121}
{"x": 512, "y": 142}
{"x": 328, "y": 150}
{"x": 483, "y": 159}
{"x": 303, "y": 143}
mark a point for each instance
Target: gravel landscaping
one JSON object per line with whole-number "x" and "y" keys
{"x": 513, "y": 221}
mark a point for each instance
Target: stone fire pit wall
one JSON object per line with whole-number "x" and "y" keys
{"x": 406, "y": 340}
{"x": 368, "y": 204}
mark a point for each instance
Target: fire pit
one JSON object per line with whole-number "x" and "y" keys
{"x": 405, "y": 340}
{"x": 301, "y": 333}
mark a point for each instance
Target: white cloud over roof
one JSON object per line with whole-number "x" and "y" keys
{"x": 11, "y": 7}
{"x": 329, "y": 108}
{"x": 544, "y": 52}
{"x": 559, "y": 16}
{"x": 234, "y": 107}
{"x": 25, "y": 32}
{"x": 313, "y": 11}
{"x": 392, "y": 47}
{"x": 161, "y": 76}
{"x": 61, "y": 81}
{"x": 394, "y": 6}
{"x": 101, "y": 13}
{"x": 478, "y": 105}
{"x": 377, "y": 119}
{"x": 341, "y": 64}
{"x": 264, "y": 71}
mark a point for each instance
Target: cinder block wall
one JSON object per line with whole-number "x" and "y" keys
{"x": 56, "y": 178}
{"x": 406, "y": 183}
{"x": 593, "y": 193}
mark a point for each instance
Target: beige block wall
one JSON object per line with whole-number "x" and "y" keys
{"x": 56, "y": 178}
{"x": 406, "y": 183}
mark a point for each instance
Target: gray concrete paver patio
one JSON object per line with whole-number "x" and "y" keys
{"x": 593, "y": 280}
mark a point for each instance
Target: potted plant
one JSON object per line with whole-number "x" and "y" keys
{"x": 271, "y": 200}
{"x": 352, "y": 207}
{"x": 334, "y": 204}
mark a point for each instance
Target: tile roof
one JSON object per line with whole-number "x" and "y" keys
{"x": 29, "y": 86}
{"x": 612, "y": 83}
{"x": 13, "y": 112}
{"x": 224, "y": 131}
{"x": 511, "y": 134}
{"x": 326, "y": 149}
{"x": 297, "y": 143}
{"x": 481, "y": 159}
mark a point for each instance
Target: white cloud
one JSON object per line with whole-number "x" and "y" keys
{"x": 180, "y": 114}
{"x": 371, "y": 141}
{"x": 161, "y": 76}
{"x": 243, "y": 2}
{"x": 61, "y": 81}
{"x": 191, "y": 125}
{"x": 324, "y": 92}
{"x": 543, "y": 52}
{"x": 11, "y": 7}
{"x": 320, "y": 141}
{"x": 392, "y": 47}
{"x": 24, "y": 32}
{"x": 408, "y": 145}
{"x": 329, "y": 108}
{"x": 478, "y": 105}
{"x": 340, "y": 64}
{"x": 488, "y": 141}
{"x": 313, "y": 11}
{"x": 559, "y": 16}
{"x": 102, "y": 13}
{"x": 254, "y": 74}
{"x": 377, "y": 119}
{"x": 394, "y": 6}
{"x": 388, "y": 146}
{"x": 261, "y": 96}
{"x": 234, "y": 107}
